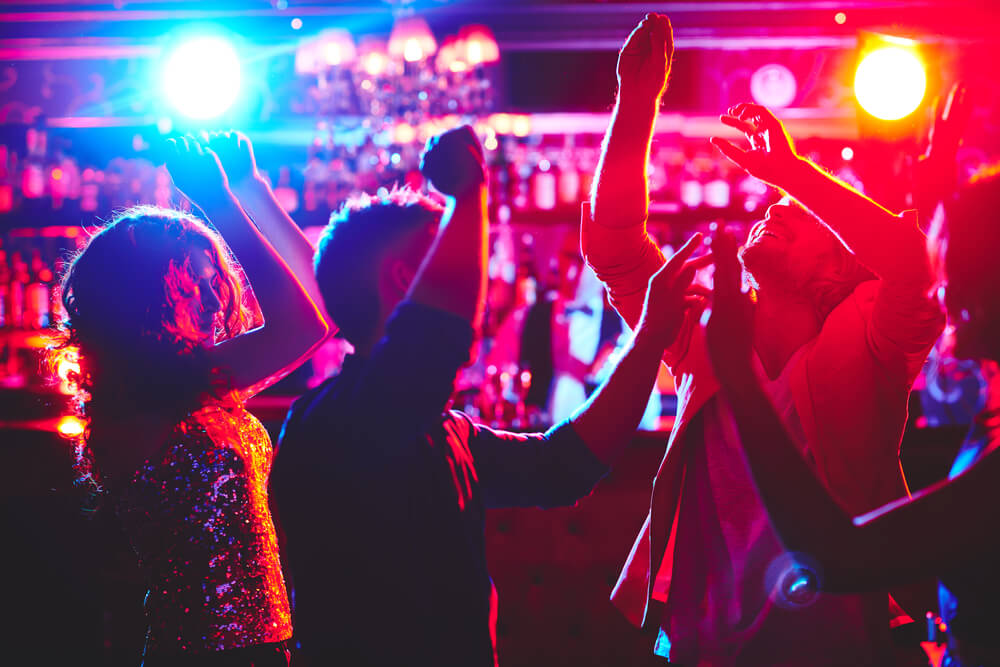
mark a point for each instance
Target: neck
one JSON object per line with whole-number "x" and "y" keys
{"x": 782, "y": 324}
{"x": 364, "y": 349}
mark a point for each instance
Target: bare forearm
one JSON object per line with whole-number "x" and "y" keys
{"x": 278, "y": 292}
{"x": 453, "y": 276}
{"x": 621, "y": 197}
{"x": 891, "y": 247}
{"x": 258, "y": 200}
{"x": 608, "y": 420}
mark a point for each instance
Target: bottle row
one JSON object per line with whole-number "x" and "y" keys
{"x": 529, "y": 174}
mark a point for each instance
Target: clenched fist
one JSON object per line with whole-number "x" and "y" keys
{"x": 454, "y": 162}
{"x": 235, "y": 153}
{"x": 644, "y": 61}
{"x": 196, "y": 171}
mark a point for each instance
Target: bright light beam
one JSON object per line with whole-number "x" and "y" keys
{"x": 890, "y": 82}
{"x": 201, "y": 77}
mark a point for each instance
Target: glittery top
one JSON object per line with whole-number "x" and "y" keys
{"x": 197, "y": 515}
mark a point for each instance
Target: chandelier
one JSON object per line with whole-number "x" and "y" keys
{"x": 408, "y": 79}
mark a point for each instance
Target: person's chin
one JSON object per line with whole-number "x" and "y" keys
{"x": 759, "y": 258}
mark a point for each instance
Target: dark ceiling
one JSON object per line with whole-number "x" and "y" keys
{"x": 529, "y": 25}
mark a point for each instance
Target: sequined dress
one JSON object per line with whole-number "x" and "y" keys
{"x": 197, "y": 515}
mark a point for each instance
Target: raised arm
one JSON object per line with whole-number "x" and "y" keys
{"x": 235, "y": 153}
{"x": 936, "y": 171}
{"x": 886, "y": 547}
{"x": 293, "y": 327}
{"x": 429, "y": 335}
{"x": 892, "y": 247}
{"x": 613, "y": 233}
{"x": 563, "y": 465}
{"x": 607, "y": 421}
{"x": 453, "y": 275}
{"x": 620, "y": 197}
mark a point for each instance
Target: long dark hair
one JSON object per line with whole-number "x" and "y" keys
{"x": 132, "y": 303}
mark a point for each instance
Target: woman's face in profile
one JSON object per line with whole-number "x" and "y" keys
{"x": 207, "y": 302}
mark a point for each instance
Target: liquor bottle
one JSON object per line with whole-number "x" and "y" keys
{"x": 36, "y": 293}
{"x": 6, "y": 190}
{"x": 543, "y": 184}
{"x": 90, "y": 190}
{"x": 19, "y": 279}
{"x": 33, "y": 173}
{"x": 569, "y": 175}
{"x": 521, "y": 201}
{"x": 4, "y": 290}
{"x": 586, "y": 164}
{"x": 57, "y": 311}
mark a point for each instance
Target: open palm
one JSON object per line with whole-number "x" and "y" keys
{"x": 771, "y": 151}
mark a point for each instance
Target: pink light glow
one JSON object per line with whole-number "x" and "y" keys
{"x": 412, "y": 40}
{"x": 480, "y": 45}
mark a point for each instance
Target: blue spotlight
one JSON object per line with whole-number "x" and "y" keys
{"x": 201, "y": 77}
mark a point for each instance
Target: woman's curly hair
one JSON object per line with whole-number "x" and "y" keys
{"x": 132, "y": 307}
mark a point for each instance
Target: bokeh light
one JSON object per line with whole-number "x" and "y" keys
{"x": 774, "y": 86}
{"x": 890, "y": 82}
{"x": 201, "y": 77}
{"x": 71, "y": 427}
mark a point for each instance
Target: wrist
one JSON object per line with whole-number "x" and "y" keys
{"x": 221, "y": 201}
{"x": 652, "y": 331}
{"x": 796, "y": 174}
{"x": 636, "y": 103}
{"x": 252, "y": 183}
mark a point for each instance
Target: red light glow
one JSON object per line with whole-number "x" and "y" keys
{"x": 890, "y": 82}
{"x": 71, "y": 427}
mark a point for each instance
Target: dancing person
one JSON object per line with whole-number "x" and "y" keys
{"x": 889, "y": 545}
{"x": 155, "y": 305}
{"x": 944, "y": 530}
{"x": 381, "y": 489}
{"x": 839, "y": 336}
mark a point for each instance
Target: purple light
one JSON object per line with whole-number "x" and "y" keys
{"x": 773, "y": 85}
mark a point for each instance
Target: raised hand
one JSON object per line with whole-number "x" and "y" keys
{"x": 454, "y": 161}
{"x": 730, "y": 327}
{"x": 235, "y": 153}
{"x": 936, "y": 170}
{"x": 196, "y": 171}
{"x": 644, "y": 61}
{"x": 771, "y": 154}
{"x": 670, "y": 292}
